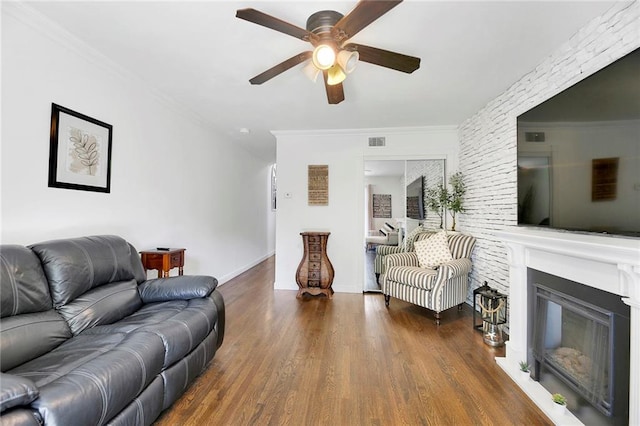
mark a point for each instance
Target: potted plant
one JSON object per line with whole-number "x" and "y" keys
{"x": 560, "y": 403}
{"x": 454, "y": 197}
{"x": 525, "y": 371}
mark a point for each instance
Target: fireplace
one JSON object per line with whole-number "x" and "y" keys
{"x": 610, "y": 264}
{"x": 580, "y": 335}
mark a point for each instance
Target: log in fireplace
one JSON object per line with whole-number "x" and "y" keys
{"x": 580, "y": 335}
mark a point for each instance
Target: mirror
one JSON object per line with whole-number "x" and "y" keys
{"x": 391, "y": 202}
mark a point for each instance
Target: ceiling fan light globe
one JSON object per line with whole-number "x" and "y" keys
{"x": 323, "y": 57}
{"x": 311, "y": 71}
{"x": 335, "y": 75}
{"x": 348, "y": 60}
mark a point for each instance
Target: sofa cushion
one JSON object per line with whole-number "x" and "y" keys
{"x": 103, "y": 305}
{"x": 413, "y": 276}
{"x": 20, "y": 416}
{"x": 91, "y": 378}
{"x": 16, "y": 391}
{"x": 145, "y": 408}
{"x": 181, "y": 324}
{"x": 433, "y": 251}
{"x": 76, "y": 265}
{"x": 27, "y": 336}
{"x": 23, "y": 285}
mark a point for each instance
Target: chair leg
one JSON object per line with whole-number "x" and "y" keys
{"x": 437, "y": 315}
{"x": 460, "y": 307}
{"x": 386, "y": 300}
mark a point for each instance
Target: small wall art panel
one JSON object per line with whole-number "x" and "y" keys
{"x": 382, "y": 205}
{"x": 318, "y": 185}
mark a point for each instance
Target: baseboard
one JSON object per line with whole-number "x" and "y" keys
{"x": 232, "y": 275}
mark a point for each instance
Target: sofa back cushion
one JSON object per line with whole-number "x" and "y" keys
{"x": 139, "y": 273}
{"x": 102, "y": 305}
{"x": 23, "y": 285}
{"x": 76, "y": 265}
{"x": 461, "y": 245}
{"x": 29, "y": 327}
{"x": 91, "y": 279}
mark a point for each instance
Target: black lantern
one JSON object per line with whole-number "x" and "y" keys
{"x": 493, "y": 312}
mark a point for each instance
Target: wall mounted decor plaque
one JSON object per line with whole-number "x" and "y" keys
{"x": 382, "y": 205}
{"x": 604, "y": 178}
{"x": 79, "y": 151}
{"x": 318, "y": 185}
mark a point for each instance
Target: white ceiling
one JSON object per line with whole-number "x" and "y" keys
{"x": 200, "y": 55}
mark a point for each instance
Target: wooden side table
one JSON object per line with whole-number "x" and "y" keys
{"x": 315, "y": 272}
{"x": 163, "y": 260}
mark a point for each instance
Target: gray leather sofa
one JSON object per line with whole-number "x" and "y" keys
{"x": 86, "y": 339}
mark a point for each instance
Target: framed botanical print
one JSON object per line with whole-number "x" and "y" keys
{"x": 79, "y": 151}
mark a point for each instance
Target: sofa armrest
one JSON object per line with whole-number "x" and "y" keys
{"x": 454, "y": 268}
{"x": 183, "y": 287}
{"x": 386, "y": 250}
{"x": 16, "y": 391}
{"x": 401, "y": 259}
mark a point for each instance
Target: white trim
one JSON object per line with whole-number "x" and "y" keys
{"x": 384, "y": 131}
{"x": 605, "y": 262}
{"x": 231, "y": 275}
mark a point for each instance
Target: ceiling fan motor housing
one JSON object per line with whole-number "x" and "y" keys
{"x": 321, "y": 22}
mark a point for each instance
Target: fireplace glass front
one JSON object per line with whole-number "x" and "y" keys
{"x": 582, "y": 343}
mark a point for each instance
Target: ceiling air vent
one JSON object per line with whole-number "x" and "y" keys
{"x": 534, "y": 136}
{"x": 378, "y": 141}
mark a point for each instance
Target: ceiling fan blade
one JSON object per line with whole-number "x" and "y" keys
{"x": 335, "y": 93}
{"x": 365, "y": 12}
{"x": 261, "y": 18}
{"x": 280, "y": 68}
{"x": 385, "y": 58}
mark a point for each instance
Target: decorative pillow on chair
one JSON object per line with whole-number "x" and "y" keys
{"x": 433, "y": 251}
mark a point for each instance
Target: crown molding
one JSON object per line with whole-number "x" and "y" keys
{"x": 381, "y": 131}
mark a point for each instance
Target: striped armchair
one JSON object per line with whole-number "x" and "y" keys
{"x": 407, "y": 246}
{"x": 435, "y": 289}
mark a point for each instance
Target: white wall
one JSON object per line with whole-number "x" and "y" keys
{"x": 344, "y": 152}
{"x": 488, "y": 139}
{"x": 174, "y": 182}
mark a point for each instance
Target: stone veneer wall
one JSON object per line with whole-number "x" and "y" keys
{"x": 488, "y": 139}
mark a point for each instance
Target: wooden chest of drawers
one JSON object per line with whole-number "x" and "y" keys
{"x": 315, "y": 272}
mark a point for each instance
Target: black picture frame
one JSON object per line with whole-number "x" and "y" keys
{"x": 79, "y": 151}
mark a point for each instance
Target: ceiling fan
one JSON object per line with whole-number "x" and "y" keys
{"x": 328, "y": 32}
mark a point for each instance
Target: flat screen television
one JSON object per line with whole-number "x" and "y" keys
{"x": 579, "y": 155}
{"x": 415, "y": 199}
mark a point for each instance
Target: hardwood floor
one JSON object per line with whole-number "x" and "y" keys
{"x": 346, "y": 361}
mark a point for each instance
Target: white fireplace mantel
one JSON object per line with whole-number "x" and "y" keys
{"x": 605, "y": 262}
